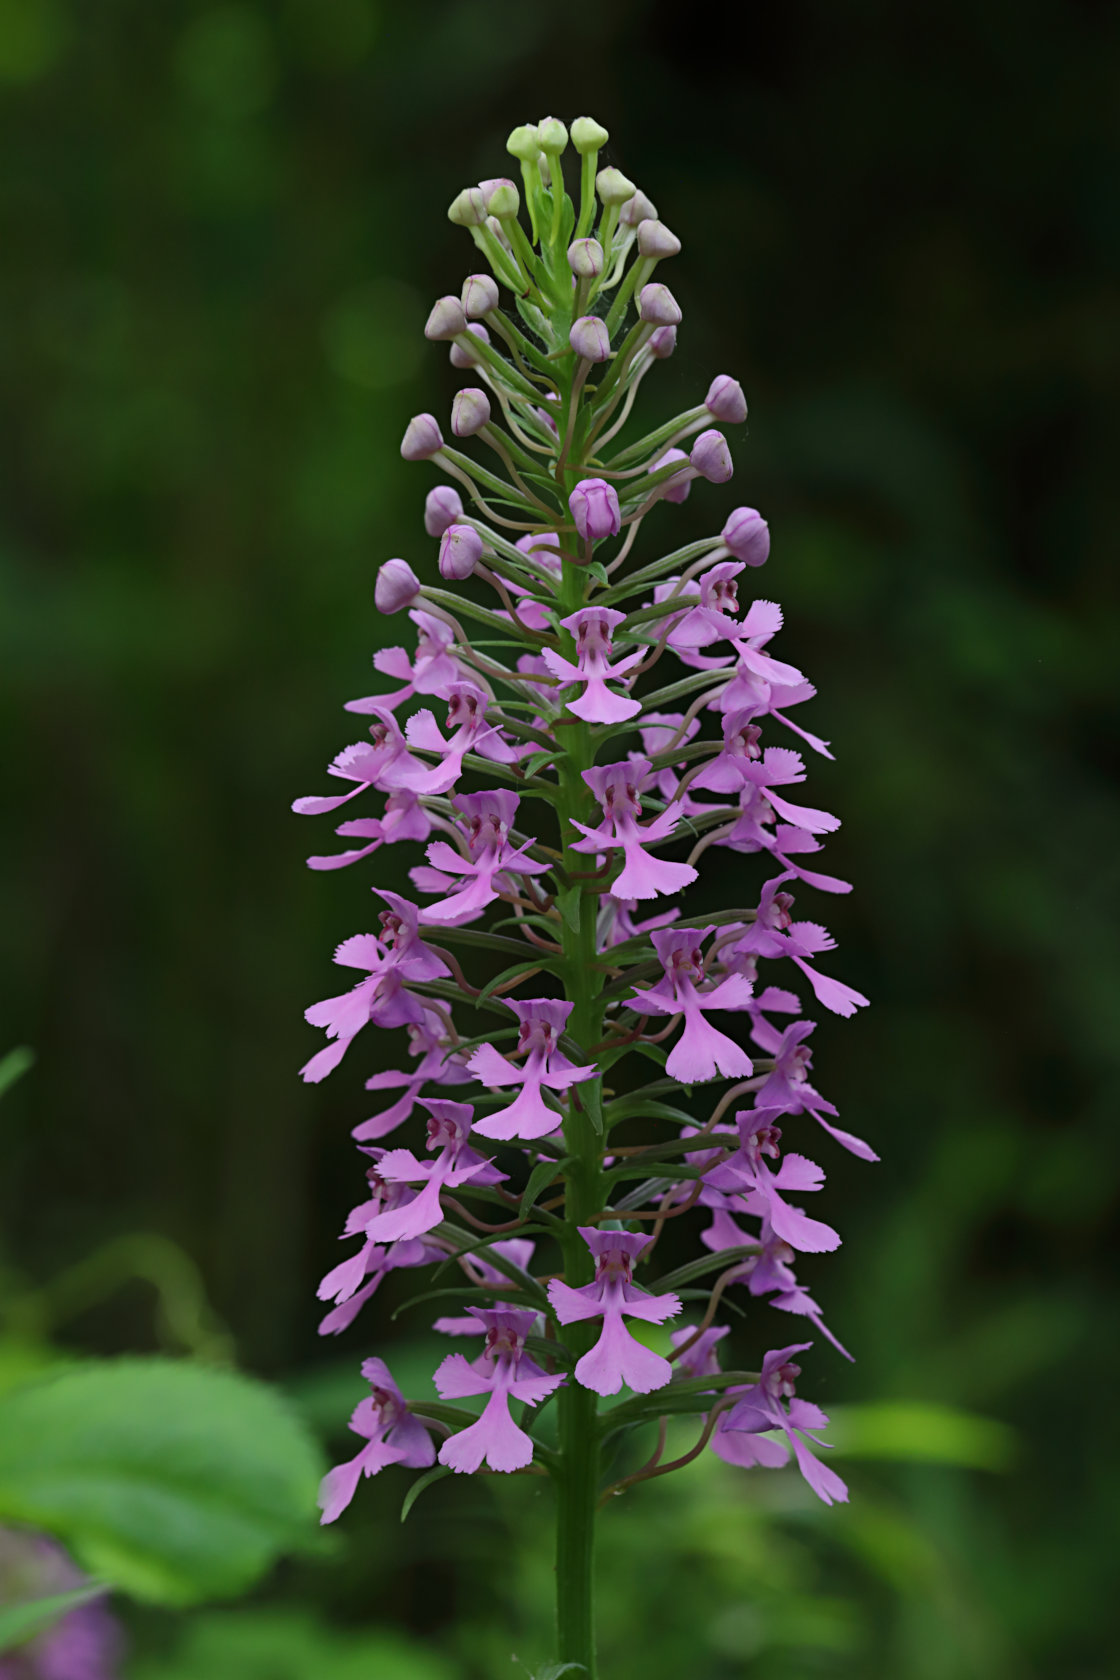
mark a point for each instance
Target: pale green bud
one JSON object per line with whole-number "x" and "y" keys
{"x": 504, "y": 200}
{"x": 552, "y": 134}
{"x": 613, "y": 187}
{"x": 524, "y": 143}
{"x": 468, "y": 209}
{"x": 588, "y": 135}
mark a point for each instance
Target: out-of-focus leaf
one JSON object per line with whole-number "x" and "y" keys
{"x": 283, "y": 1644}
{"x": 170, "y": 1480}
{"x": 921, "y": 1432}
{"x": 20, "y": 1622}
{"x": 14, "y": 1065}
{"x": 422, "y": 1482}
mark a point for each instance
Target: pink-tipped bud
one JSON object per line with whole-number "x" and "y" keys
{"x": 674, "y": 489}
{"x": 725, "y": 400}
{"x": 468, "y": 208}
{"x": 470, "y": 412}
{"x": 479, "y": 295}
{"x": 595, "y": 509}
{"x": 747, "y": 535}
{"x": 585, "y": 259}
{"x": 442, "y": 507}
{"x": 500, "y": 197}
{"x": 461, "y": 355}
{"x": 712, "y": 458}
{"x": 446, "y": 320}
{"x": 460, "y": 550}
{"x": 589, "y": 338}
{"x": 655, "y": 240}
{"x": 657, "y": 305}
{"x": 422, "y": 438}
{"x": 396, "y": 586}
{"x": 662, "y": 343}
{"x": 637, "y": 210}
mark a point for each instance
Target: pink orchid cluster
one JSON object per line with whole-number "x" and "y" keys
{"x": 572, "y": 737}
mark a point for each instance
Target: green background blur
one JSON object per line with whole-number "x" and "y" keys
{"x": 222, "y": 227}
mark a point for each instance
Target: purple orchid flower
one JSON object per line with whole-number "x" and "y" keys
{"x": 466, "y": 719}
{"x": 592, "y": 627}
{"x": 701, "y": 1052}
{"x": 449, "y": 1127}
{"x": 504, "y": 1371}
{"x": 404, "y": 819}
{"x": 616, "y": 1357}
{"x": 759, "y": 1410}
{"x": 517, "y": 1250}
{"x": 487, "y": 821}
{"x": 392, "y": 1436}
{"x": 439, "y": 1064}
{"x": 376, "y": 765}
{"x": 542, "y": 1020}
{"x": 774, "y": 934}
{"x": 746, "y": 1173}
{"x": 617, "y": 788}
{"x": 431, "y": 670}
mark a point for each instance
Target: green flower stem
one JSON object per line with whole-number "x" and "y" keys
{"x": 577, "y": 1474}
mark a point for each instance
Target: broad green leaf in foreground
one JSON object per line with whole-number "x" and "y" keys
{"x": 170, "y": 1480}
{"x": 20, "y": 1622}
{"x": 917, "y": 1430}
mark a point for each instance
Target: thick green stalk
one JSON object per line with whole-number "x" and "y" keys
{"x": 577, "y": 1475}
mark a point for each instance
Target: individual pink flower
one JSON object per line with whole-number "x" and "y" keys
{"x": 616, "y": 1357}
{"x": 432, "y": 669}
{"x": 785, "y": 842}
{"x": 616, "y": 787}
{"x": 701, "y": 1051}
{"x": 404, "y": 818}
{"x": 747, "y": 1172}
{"x": 439, "y": 1064}
{"x": 449, "y": 1128}
{"x": 763, "y": 620}
{"x": 346, "y": 1284}
{"x": 392, "y": 962}
{"x": 505, "y": 1372}
{"x": 469, "y": 732}
{"x": 769, "y": 1272}
{"x": 714, "y": 617}
{"x": 392, "y": 1436}
{"x": 592, "y": 627}
{"x": 366, "y": 765}
{"x": 744, "y": 1432}
{"x": 487, "y": 819}
{"x": 786, "y": 1089}
{"x": 774, "y": 934}
{"x": 542, "y": 1020}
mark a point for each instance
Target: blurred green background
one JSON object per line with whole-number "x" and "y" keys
{"x": 222, "y": 227}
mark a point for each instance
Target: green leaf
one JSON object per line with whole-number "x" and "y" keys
{"x": 590, "y": 1098}
{"x": 699, "y": 1268}
{"x": 543, "y": 1173}
{"x": 422, "y": 1482}
{"x": 14, "y": 1065}
{"x": 567, "y": 902}
{"x": 920, "y": 1432}
{"x": 171, "y": 1480}
{"x": 599, "y": 572}
{"x": 20, "y": 1622}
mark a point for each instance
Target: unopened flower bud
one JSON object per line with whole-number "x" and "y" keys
{"x": 524, "y": 143}
{"x": 613, "y": 187}
{"x": 589, "y": 338}
{"x": 595, "y": 510}
{"x": 712, "y": 458}
{"x": 675, "y": 489}
{"x": 662, "y": 343}
{"x": 747, "y": 535}
{"x": 468, "y": 209}
{"x": 637, "y": 210}
{"x": 585, "y": 259}
{"x": 442, "y": 507}
{"x": 725, "y": 400}
{"x": 460, "y": 550}
{"x": 470, "y": 411}
{"x": 500, "y": 196}
{"x": 461, "y": 354}
{"x": 446, "y": 319}
{"x": 552, "y": 134}
{"x": 588, "y": 135}
{"x": 657, "y": 305}
{"x": 656, "y": 240}
{"x": 479, "y": 295}
{"x": 395, "y": 587}
{"x": 422, "y": 438}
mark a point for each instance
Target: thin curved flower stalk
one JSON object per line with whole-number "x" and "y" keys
{"x": 575, "y": 729}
